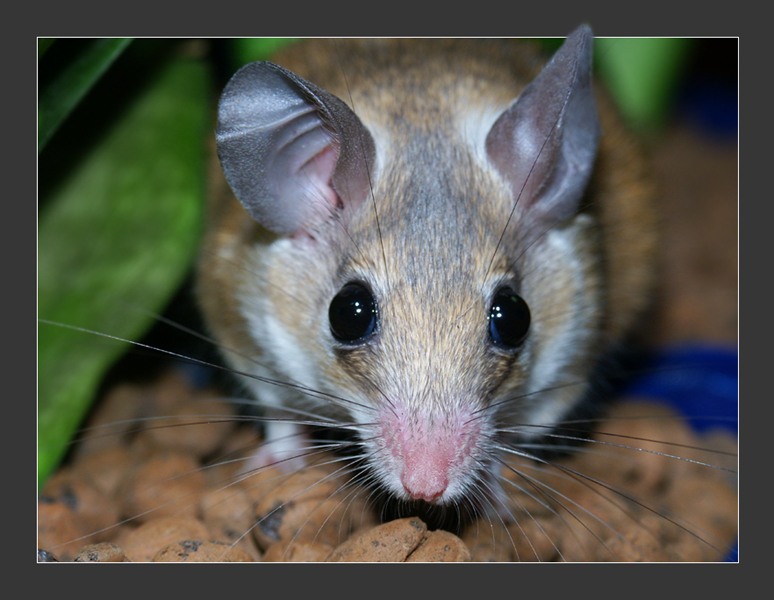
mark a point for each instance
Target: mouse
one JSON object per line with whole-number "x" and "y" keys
{"x": 429, "y": 245}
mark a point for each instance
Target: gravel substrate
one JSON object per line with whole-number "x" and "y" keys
{"x": 140, "y": 490}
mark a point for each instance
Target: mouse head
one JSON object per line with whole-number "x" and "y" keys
{"x": 438, "y": 268}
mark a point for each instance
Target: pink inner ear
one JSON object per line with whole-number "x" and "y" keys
{"x": 318, "y": 171}
{"x": 300, "y": 176}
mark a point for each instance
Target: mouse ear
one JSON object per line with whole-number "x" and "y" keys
{"x": 545, "y": 143}
{"x": 291, "y": 152}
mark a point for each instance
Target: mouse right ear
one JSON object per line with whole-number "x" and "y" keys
{"x": 292, "y": 153}
{"x": 545, "y": 143}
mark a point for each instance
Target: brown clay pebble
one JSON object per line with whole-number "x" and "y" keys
{"x": 522, "y": 497}
{"x": 440, "y": 546}
{"x": 687, "y": 548}
{"x": 316, "y": 520}
{"x": 60, "y": 530}
{"x": 201, "y": 551}
{"x": 168, "y": 483}
{"x": 301, "y": 506}
{"x": 274, "y": 486}
{"x": 297, "y": 552}
{"x": 172, "y": 390}
{"x": 712, "y": 521}
{"x": 92, "y": 510}
{"x": 635, "y": 424}
{"x": 102, "y": 552}
{"x": 229, "y": 514}
{"x": 229, "y": 504}
{"x": 197, "y": 427}
{"x": 230, "y": 463}
{"x": 390, "y": 542}
{"x": 724, "y": 448}
{"x": 647, "y": 541}
{"x": 488, "y": 542}
{"x": 144, "y": 542}
{"x": 105, "y": 468}
{"x": 225, "y": 532}
{"x": 114, "y": 418}
{"x": 536, "y": 540}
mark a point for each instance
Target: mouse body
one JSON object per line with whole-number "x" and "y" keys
{"x": 429, "y": 244}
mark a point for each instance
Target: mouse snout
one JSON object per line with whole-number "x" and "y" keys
{"x": 430, "y": 457}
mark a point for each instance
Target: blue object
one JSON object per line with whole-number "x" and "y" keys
{"x": 712, "y": 106}
{"x": 701, "y": 383}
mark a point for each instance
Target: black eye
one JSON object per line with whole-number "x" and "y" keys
{"x": 352, "y": 313}
{"x": 509, "y": 319}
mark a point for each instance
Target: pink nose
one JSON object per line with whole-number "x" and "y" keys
{"x": 426, "y": 496}
{"x": 424, "y": 484}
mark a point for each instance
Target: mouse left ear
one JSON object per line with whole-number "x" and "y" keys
{"x": 545, "y": 143}
{"x": 292, "y": 153}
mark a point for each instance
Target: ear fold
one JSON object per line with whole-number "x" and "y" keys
{"x": 291, "y": 152}
{"x": 545, "y": 143}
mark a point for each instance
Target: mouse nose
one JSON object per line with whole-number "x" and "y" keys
{"x": 425, "y": 481}
{"x": 426, "y": 471}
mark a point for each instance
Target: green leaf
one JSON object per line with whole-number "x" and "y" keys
{"x": 43, "y": 45}
{"x": 71, "y": 83}
{"x": 246, "y": 50}
{"x": 117, "y": 234}
{"x": 641, "y": 73}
